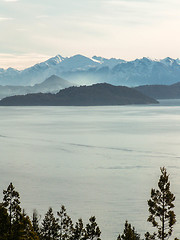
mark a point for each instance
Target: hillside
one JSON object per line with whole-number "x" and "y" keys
{"x": 161, "y": 91}
{"x": 51, "y": 85}
{"x": 95, "y": 95}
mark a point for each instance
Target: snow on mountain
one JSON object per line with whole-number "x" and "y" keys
{"x": 169, "y": 61}
{"x": 55, "y": 60}
{"x": 83, "y": 70}
{"x": 146, "y": 71}
{"x": 108, "y": 62}
{"x": 178, "y": 61}
{"x": 78, "y": 62}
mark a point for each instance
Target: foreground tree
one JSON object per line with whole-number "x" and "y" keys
{"x": 65, "y": 224}
{"x": 4, "y": 223}
{"x": 22, "y": 229}
{"x": 78, "y": 230}
{"x": 14, "y": 223}
{"x": 129, "y": 233}
{"x": 92, "y": 230}
{"x": 50, "y": 227}
{"x": 160, "y": 207}
{"x": 149, "y": 236}
{"x": 12, "y": 204}
{"x": 35, "y": 222}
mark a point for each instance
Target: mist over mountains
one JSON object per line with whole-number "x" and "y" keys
{"x": 79, "y": 69}
{"x": 51, "y": 85}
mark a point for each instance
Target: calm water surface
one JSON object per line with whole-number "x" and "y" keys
{"x": 100, "y": 161}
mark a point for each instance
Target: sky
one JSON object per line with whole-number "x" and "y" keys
{"x": 32, "y": 31}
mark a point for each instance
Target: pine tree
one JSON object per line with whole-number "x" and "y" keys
{"x": 50, "y": 227}
{"x": 129, "y": 233}
{"x": 22, "y": 228}
{"x": 4, "y": 223}
{"x": 78, "y": 230}
{"x": 35, "y": 222}
{"x": 65, "y": 224}
{"x": 12, "y": 203}
{"x": 149, "y": 236}
{"x": 160, "y": 207}
{"x": 92, "y": 230}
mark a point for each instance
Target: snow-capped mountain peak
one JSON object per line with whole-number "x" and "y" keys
{"x": 84, "y": 70}
{"x": 168, "y": 61}
{"x": 55, "y": 60}
{"x": 108, "y": 62}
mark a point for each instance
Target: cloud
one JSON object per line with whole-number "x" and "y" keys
{"x": 42, "y": 16}
{"x": 10, "y": 0}
{"x": 114, "y": 28}
{"x": 141, "y": 12}
{"x": 131, "y": 1}
{"x": 2, "y": 19}
{"x": 21, "y": 29}
{"x": 21, "y": 61}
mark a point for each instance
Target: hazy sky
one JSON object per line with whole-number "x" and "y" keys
{"x": 34, "y": 30}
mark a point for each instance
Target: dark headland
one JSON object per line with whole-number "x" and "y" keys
{"x": 102, "y": 94}
{"x": 161, "y": 91}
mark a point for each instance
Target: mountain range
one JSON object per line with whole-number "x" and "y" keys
{"x": 94, "y": 95}
{"x": 83, "y": 70}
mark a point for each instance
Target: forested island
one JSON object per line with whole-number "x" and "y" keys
{"x": 101, "y": 94}
{"x": 15, "y": 224}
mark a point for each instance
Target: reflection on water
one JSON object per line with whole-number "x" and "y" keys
{"x": 99, "y": 161}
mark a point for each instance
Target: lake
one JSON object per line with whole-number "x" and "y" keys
{"x": 100, "y": 161}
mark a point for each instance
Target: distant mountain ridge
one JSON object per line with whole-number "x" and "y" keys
{"x": 95, "y": 95}
{"x": 51, "y": 85}
{"x": 161, "y": 91}
{"x": 83, "y": 70}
